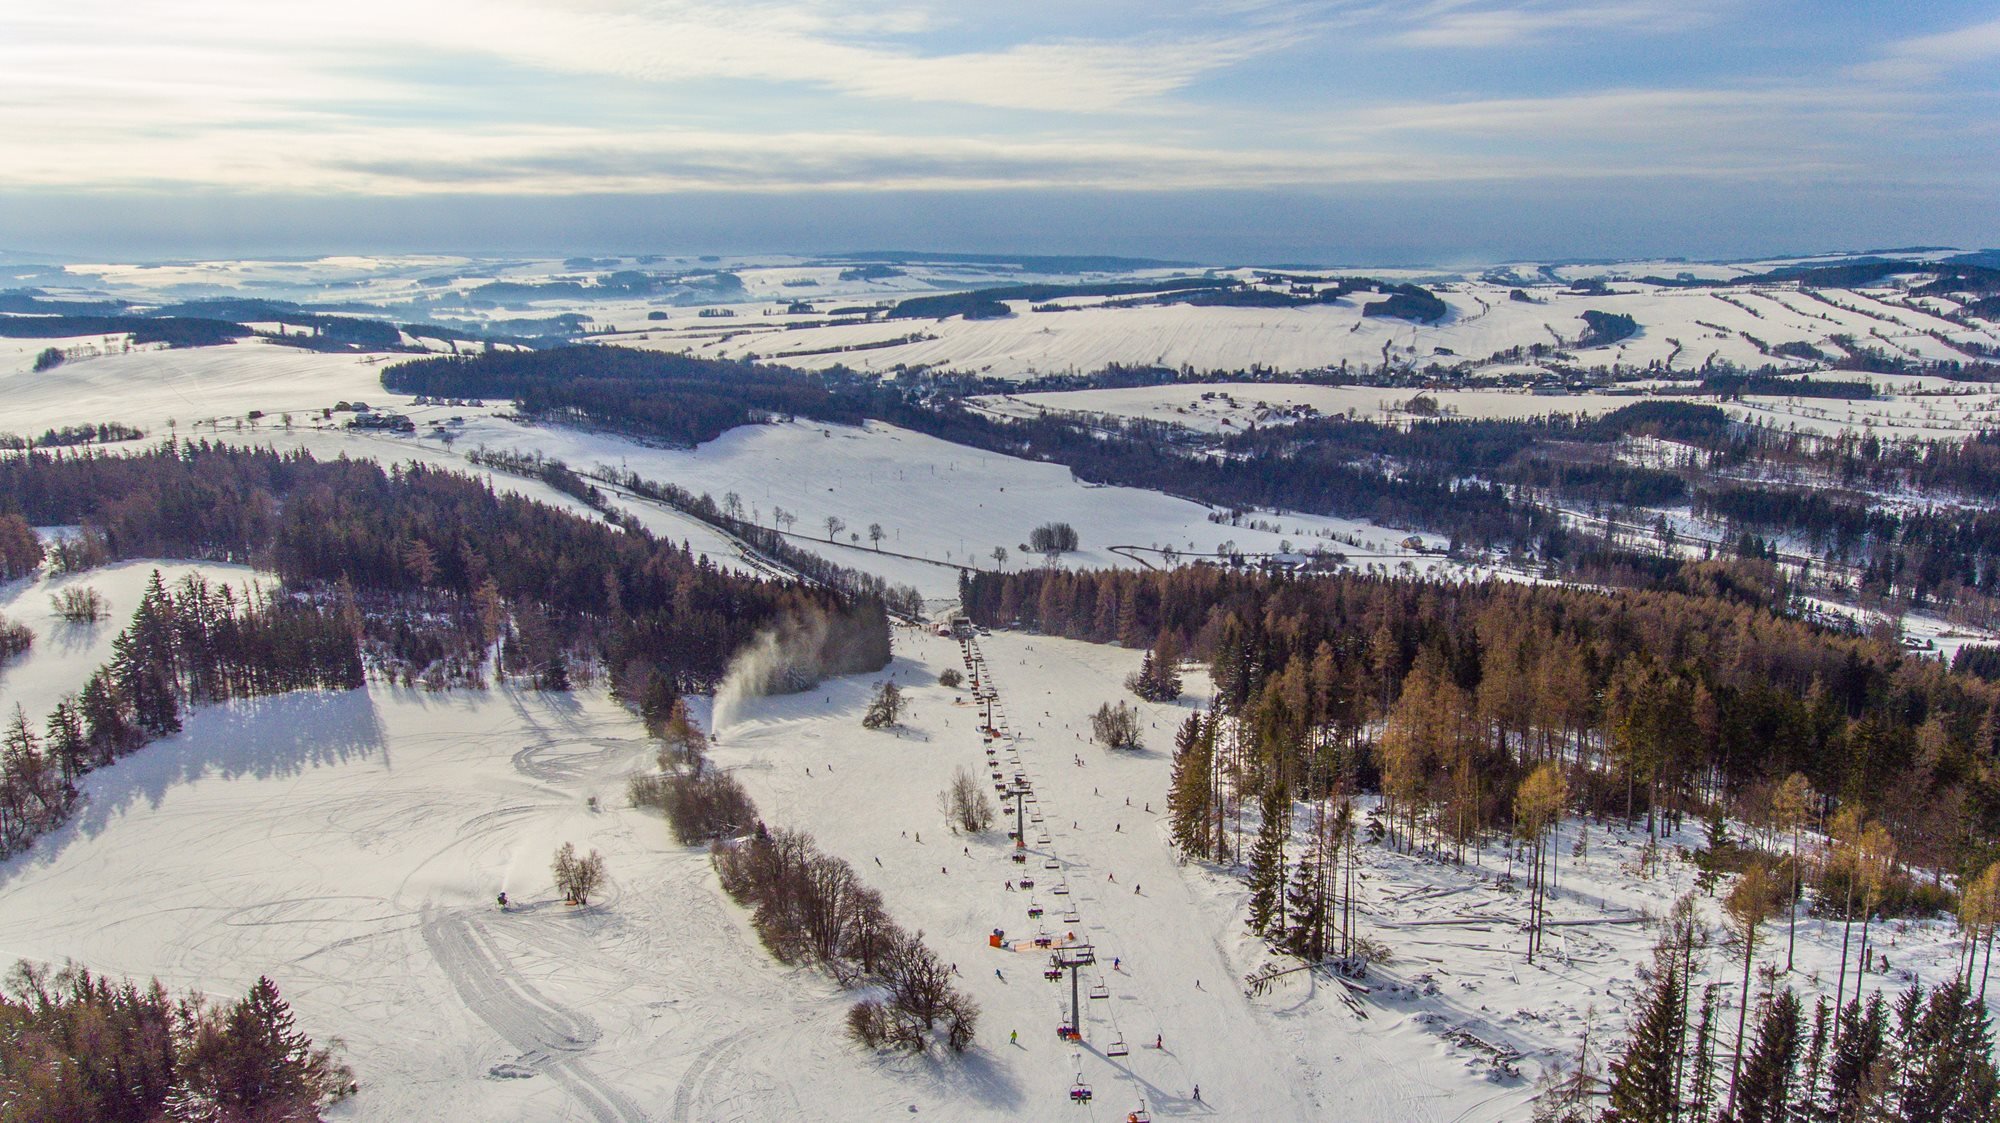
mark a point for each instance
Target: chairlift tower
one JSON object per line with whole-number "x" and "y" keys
{"x": 1074, "y": 958}
{"x": 1019, "y": 793}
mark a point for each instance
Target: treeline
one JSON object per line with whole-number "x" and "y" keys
{"x": 1924, "y": 554}
{"x": 1925, "y": 1057}
{"x": 1408, "y": 302}
{"x": 193, "y": 644}
{"x": 650, "y": 393}
{"x": 1606, "y": 328}
{"x": 640, "y": 606}
{"x": 104, "y": 432}
{"x": 80, "y": 1048}
{"x": 980, "y": 304}
{"x": 1487, "y": 484}
{"x": 174, "y": 331}
{"x": 1784, "y": 386}
{"x": 1427, "y": 475}
{"x": 903, "y": 599}
{"x": 1446, "y": 696}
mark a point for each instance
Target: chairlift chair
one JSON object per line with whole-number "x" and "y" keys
{"x": 1034, "y": 911}
{"x": 1061, "y": 889}
{"x": 1079, "y": 1092}
{"x": 1027, "y": 883}
{"x": 1139, "y": 1114}
{"x": 1051, "y": 864}
{"x": 1099, "y": 990}
{"x": 1072, "y": 917}
{"x": 1117, "y": 1048}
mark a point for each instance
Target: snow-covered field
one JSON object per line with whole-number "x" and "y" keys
{"x": 350, "y": 845}
{"x": 944, "y": 503}
{"x": 1214, "y": 407}
{"x": 1680, "y": 330}
{"x": 146, "y": 387}
{"x": 802, "y": 311}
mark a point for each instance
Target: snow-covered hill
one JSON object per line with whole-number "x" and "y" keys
{"x": 351, "y": 845}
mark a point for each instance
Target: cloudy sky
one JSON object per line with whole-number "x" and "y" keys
{"x": 1275, "y": 130}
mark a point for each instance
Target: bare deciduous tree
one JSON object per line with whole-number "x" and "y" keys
{"x": 965, "y": 804}
{"x": 576, "y": 877}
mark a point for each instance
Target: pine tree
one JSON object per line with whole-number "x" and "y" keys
{"x": 1642, "y": 1080}
{"x": 1267, "y": 863}
{"x": 1763, "y": 1090}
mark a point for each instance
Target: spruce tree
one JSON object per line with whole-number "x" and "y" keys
{"x": 1188, "y": 795}
{"x": 1305, "y": 934}
{"x": 66, "y": 740}
{"x": 1642, "y": 1080}
{"x": 1267, "y": 863}
{"x": 1944, "y": 1057}
{"x": 1698, "y": 1072}
{"x": 1763, "y": 1090}
{"x": 1853, "y": 1075}
{"x": 1815, "y": 1052}
{"x": 104, "y": 718}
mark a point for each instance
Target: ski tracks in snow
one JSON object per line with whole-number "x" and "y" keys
{"x": 552, "y": 1039}
{"x": 697, "y": 1073}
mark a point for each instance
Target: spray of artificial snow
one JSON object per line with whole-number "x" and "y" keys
{"x": 781, "y": 660}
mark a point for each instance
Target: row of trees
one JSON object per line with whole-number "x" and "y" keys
{"x": 701, "y": 803}
{"x": 1925, "y": 1058}
{"x": 1653, "y": 703}
{"x": 809, "y": 906}
{"x": 81, "y": 1048}
{"x": 190, "y": 645}
{"x": 619, "y": 598}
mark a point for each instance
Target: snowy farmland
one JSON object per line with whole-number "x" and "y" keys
{"x": 941, "y": 506}
{"x": 1680, "y": 330}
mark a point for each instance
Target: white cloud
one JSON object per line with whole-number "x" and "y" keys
{"x": 1926, "y": 57}
{"x": 1459, "y": 24}
{"x": 431, "y": 96}
{"x": 855, "y": 51}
